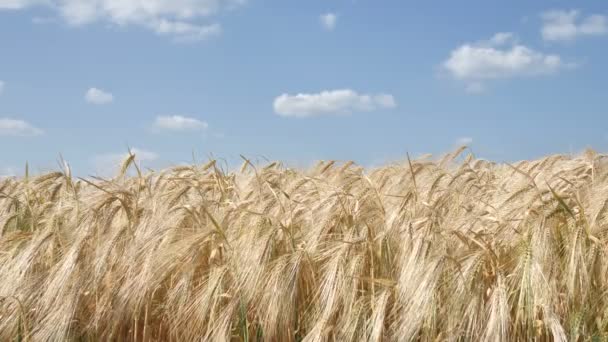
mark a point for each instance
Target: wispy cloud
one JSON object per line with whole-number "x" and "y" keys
{"x": 98, "y": 96}
{"x": 180, "y": 19}
{"x": 2, "y": 85}
{"x": 16, "y": 4}
{"x": 329, "y": 21}
{"x": 184, "y": 31}
{"x": 18, "y": 128}
{"x": 499, "y": 57}
{"x": 500, "y": 39}
{"x": 561, "y": 25}
{"x": 179, "y": 123}
{"x": 342, "y": 101}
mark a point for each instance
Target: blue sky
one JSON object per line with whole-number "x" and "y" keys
{"x": 297, "y": 81}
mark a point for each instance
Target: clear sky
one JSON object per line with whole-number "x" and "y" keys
{"x": 298, "y": 81}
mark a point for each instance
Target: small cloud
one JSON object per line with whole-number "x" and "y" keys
{"x": 98, "y": 96}
{"x": 329, "y": 21}
{"x": 179, "y": 123}
{"x": 464, "y": 141}
{"x": 2, "y": 85}
{"x": 18, "y": 128}
{"x": 499, "y": 57}
{"x": 342, "y": 101}
{"x": 560, "y": 25}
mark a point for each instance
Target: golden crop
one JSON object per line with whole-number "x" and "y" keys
{"x": 430, "y": 250}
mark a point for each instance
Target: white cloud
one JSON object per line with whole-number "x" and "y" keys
{"x": 178, "y": 18}
{"x": 560, "y": 25}
{"x": 485, "y": 62}
{"x": 18, "y": 128}
{"x": 2, "y": 85}
{"x": 499, "y": 57}
{"x": 342, "y": 101}
{"x": 98, "y": 96}
{"x": 329, "y": 21}
{"x": 179, "y": 123}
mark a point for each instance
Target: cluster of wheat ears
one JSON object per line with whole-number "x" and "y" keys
{"x": 454, "y": 248}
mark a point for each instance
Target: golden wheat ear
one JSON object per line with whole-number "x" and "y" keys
{"x": 453, "y": 248}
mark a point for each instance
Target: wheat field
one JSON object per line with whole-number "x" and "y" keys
{"x": 429, "y": 249}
